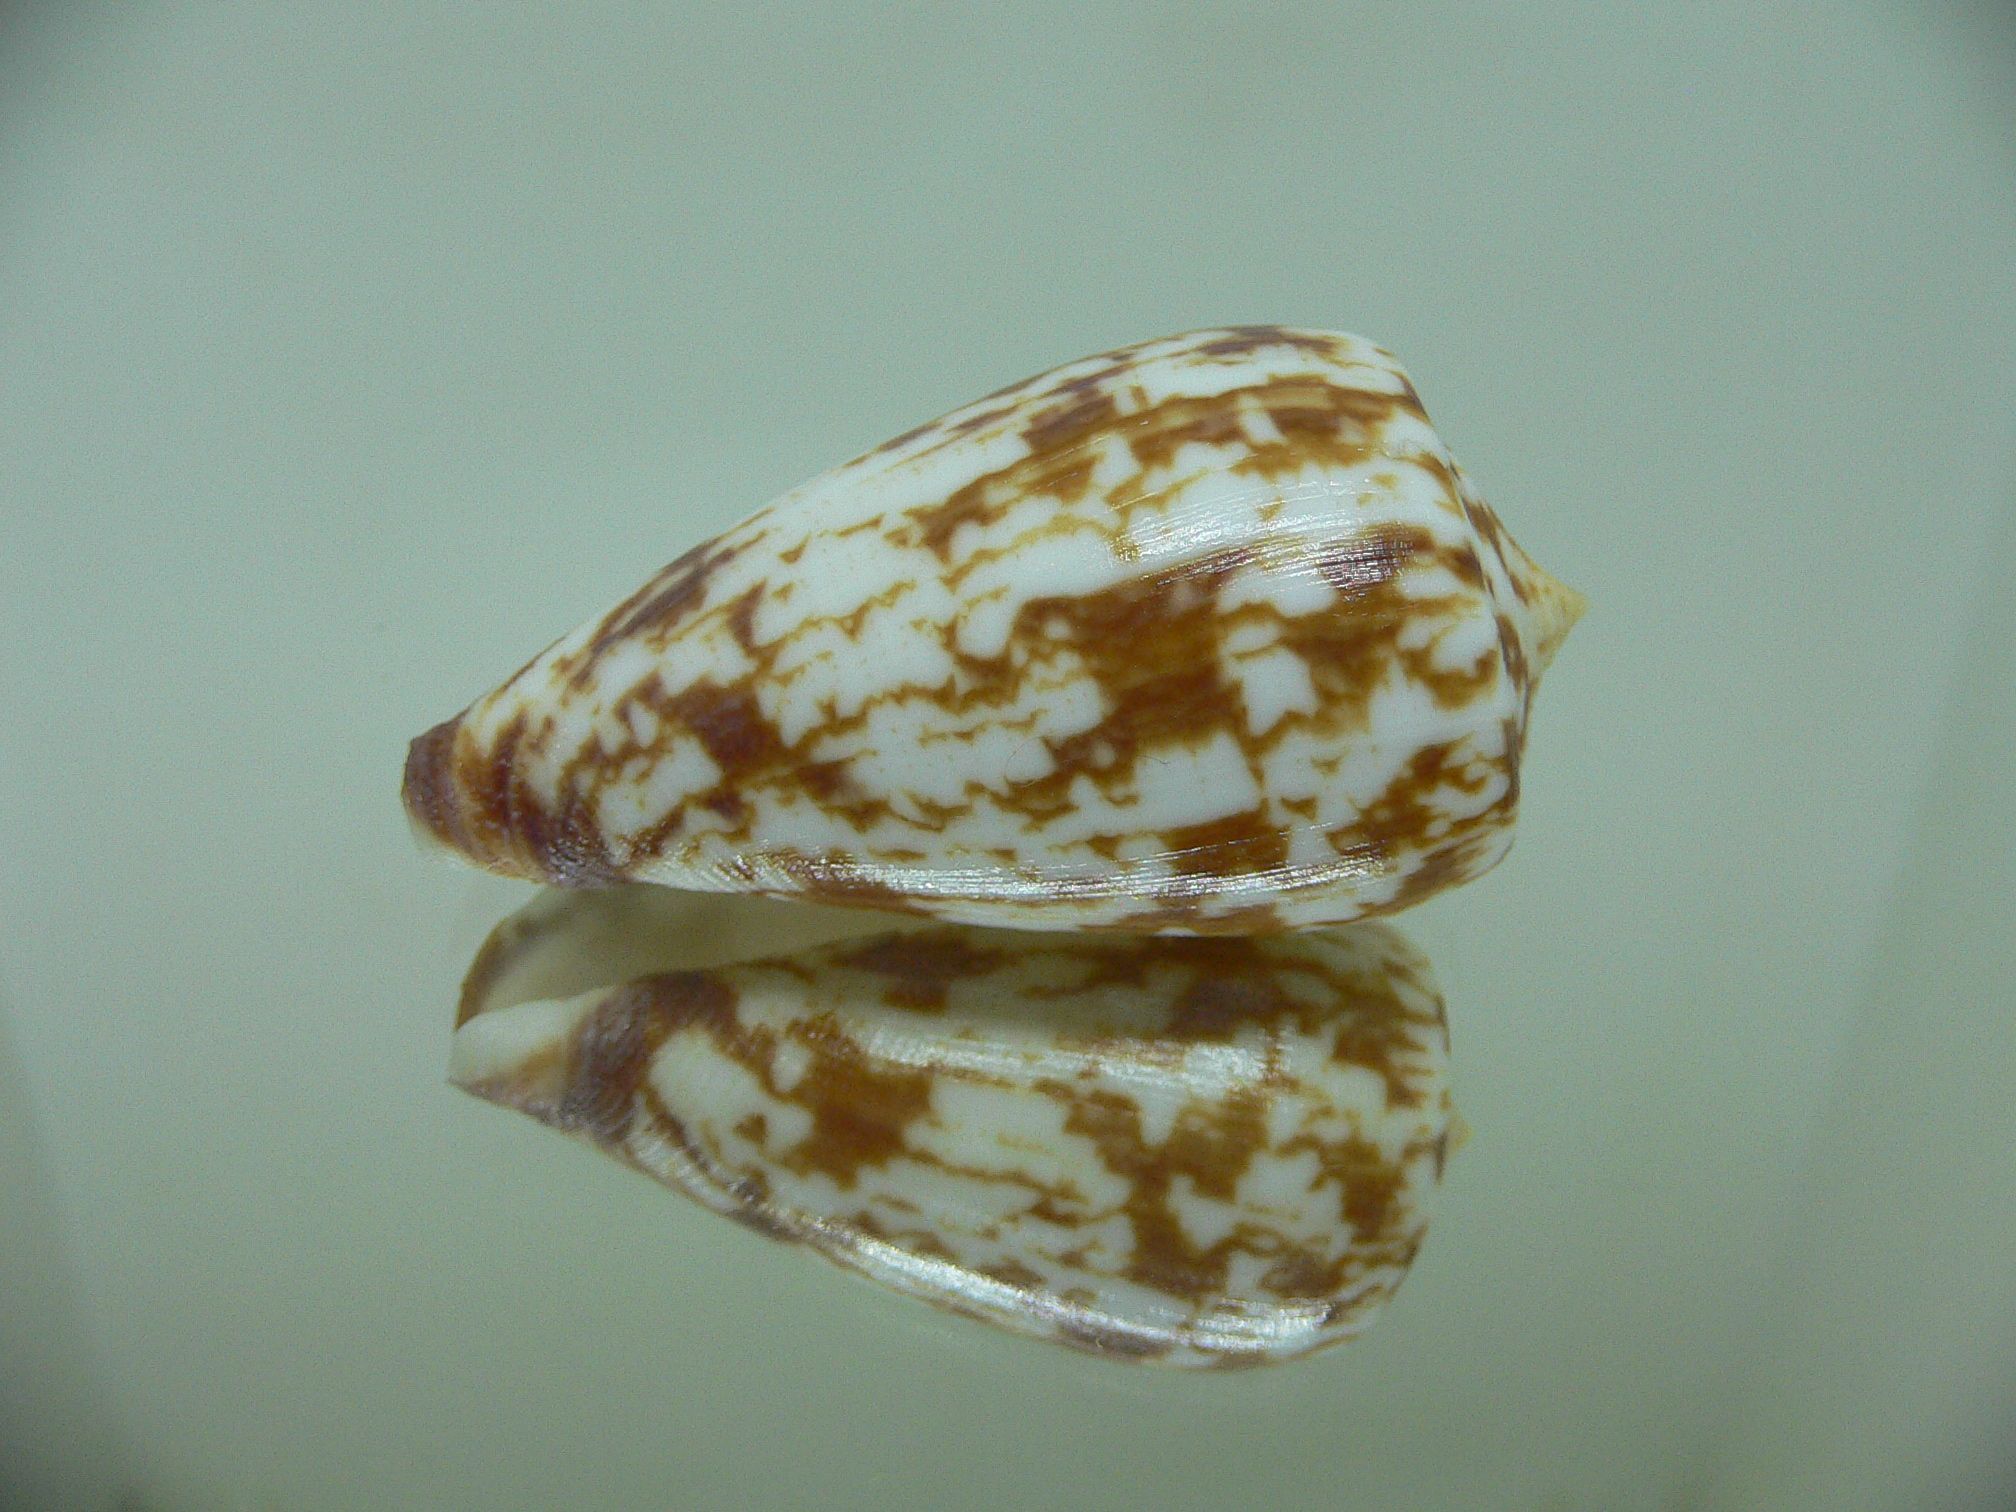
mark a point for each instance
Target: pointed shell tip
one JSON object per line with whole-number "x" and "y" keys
{"x": 1556, "y": 607}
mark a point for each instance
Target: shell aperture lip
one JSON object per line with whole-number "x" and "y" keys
{"x": 1209, "y": 635}
{"x": 1199, "y": 1153}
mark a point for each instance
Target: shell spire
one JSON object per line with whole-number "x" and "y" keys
{"x": 1208, "y": 635}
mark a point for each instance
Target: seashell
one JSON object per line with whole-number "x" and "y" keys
{"x": 1205, "y": 1152}
{"x": 1206, "y": 636}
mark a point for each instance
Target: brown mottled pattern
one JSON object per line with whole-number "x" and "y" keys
{"x": 884, "y": 1101}
{"x": 799, "y": 707}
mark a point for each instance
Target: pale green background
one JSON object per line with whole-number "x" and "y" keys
{"x": 350, "y": 352}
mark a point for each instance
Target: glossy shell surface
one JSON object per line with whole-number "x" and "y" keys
{"x": 1203, "y": 1152}
{"x": 1206, "y": 636}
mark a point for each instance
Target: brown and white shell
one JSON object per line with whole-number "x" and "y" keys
{"x": 1206, "y": 636}
{"x": 1207, "y": 1152}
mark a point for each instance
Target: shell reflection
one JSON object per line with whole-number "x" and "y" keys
{"x": 1201, "y": 1152}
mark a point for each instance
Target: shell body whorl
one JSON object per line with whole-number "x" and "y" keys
{"x": 1205, "y": 636}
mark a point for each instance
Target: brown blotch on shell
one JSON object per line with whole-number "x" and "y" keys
{"x": 661, "y": 605}
{"x": 1212, "y": 1147}
{"x": 480, "y": 804}
{"x": 920, "y": 967}
{"x": 1240, "y": 342}
{"x": 860, "y": 1108}
{"x": 611, "y": 1050}
{"x": 1086, "y": 410}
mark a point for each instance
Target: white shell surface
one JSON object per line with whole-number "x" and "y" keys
{"x": 1208, "y": 635}
{"x": 1199, "y": 1153}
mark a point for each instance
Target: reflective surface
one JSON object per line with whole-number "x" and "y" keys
{"x": 1199, "y": 1153}
{"x": 345, "y": 354}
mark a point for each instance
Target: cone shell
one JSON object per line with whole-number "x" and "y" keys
{"x": 1193, "y": 1152}
{"x": 1206, "y": 636}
